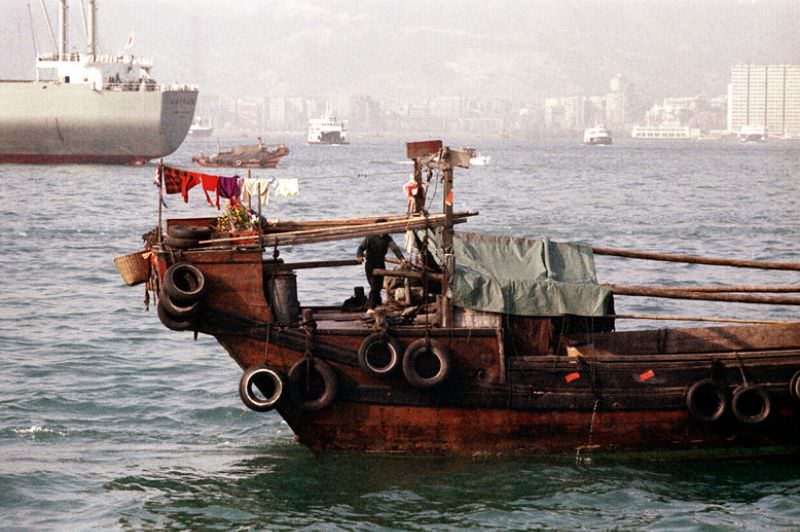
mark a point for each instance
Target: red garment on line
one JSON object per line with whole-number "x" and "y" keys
{"x": 210, "y": 183}
{"x": 177, "y": 180}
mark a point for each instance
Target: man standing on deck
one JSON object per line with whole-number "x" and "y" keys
{"x": 374, "y": 249}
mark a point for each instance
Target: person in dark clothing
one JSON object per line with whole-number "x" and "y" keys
{"x": 372, "y": 252}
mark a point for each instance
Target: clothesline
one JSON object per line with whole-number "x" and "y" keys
{"x": 361, "y": 175}
{"x": 234, "y": 188}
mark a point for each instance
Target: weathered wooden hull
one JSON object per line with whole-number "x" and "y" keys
{"x": 507, "y": 392}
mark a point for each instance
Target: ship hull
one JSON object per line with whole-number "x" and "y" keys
{"x": 54, "y": 123}
{"x": 532, "y": 408}
{"x": 508, "y": 389}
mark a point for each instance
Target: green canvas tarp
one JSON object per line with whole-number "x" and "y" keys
{"x": 526, "y": 276}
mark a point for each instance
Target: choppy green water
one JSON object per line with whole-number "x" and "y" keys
{"x": 108, "y": 420}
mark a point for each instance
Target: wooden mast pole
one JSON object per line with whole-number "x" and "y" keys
{"x": 159, "y": 234}
{"x": 447, "y": 239}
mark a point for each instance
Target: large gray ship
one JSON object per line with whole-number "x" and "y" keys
{"x": 90, "y": 108}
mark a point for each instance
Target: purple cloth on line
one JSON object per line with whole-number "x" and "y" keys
{"x": 229, "y": 187}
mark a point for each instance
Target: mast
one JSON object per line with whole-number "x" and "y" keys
{"x": 92, "y": 30}
{"x": 49, "y": 25}
{"x": 63, "y": 23}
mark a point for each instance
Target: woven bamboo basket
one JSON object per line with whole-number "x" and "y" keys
{"x": 134, "y": 268}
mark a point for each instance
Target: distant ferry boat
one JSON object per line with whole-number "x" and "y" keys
{"x": 326, "y": 130}
{"x": 596, "y": 135}
{"x": 665, "y": 132}
{"x": 200, "y": 129}
{"x": 475, "y": 157}
{"x": 90, "y": 108}
{"x": 752, "y": 134}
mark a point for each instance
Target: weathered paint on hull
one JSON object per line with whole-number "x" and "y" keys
{"x": 627, "y": 394}
{"x": 474, "y": 431}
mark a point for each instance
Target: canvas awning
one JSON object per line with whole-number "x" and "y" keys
{"x": 525, "y": 276}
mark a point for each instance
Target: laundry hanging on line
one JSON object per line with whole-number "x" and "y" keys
{"x": 255, "y": 186}
{"x": 234, "y": 188}
{"x": 287, "y": 187}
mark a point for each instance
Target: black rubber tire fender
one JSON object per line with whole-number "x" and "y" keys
{"x": 184, "y": 283}
{"x": 190, "y": 232}
{"x": 420, "y": 377}
{"x": 371, "y": 359}
{"x": 794, "y": 386}
{"x": 706, "y": 401}
{"x": 173, "y": 324}
{"x": 316, "y": 390}
{"x": 268, "y": 381}
{"x": 179, "y": 312}
{"x": 751, "y": 404}
{"x": 180, "y": 243}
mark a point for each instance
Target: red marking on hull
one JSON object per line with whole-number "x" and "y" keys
{"x": 24, "y": 158}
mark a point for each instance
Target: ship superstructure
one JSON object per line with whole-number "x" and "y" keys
{"x": 327, "y": 130}
{"x": 92, "y": 108}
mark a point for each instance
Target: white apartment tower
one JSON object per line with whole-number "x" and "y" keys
{"x": 765, "y": 96}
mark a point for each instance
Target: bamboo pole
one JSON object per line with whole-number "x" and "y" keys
{"x": 406, "y": 273}
{"x": 694, "y": 259}
{"x": 735, "y": 288}
{"x": 316, "y": 224}
{"x": 654, "y": 317}
{"x": 312, "y": 264}
{"x": 645, "y": 291}
{"x": 345, "y": 232}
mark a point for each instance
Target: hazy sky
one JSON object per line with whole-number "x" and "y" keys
{"x": 416, "y": 49}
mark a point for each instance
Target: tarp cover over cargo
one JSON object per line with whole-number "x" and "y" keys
{"x": 525, "y": 276}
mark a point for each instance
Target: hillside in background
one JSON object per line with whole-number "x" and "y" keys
{"x": 509, "y": 49}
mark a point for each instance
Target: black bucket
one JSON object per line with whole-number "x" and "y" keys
{"x": 282, "y": 290}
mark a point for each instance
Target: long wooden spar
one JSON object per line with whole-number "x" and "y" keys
{"x": 343, "y": 232}
{"x": 694, "y": 259}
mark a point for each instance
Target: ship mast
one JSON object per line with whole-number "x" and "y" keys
{"x": 63, "y": 22}
{"x": 92, "y": 30}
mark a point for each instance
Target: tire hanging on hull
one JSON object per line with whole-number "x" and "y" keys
{"x": 379, "y": 355}
{"x": 268, "y": 381}
{"x": 426, "y": 363}
{"x": 313, "y": 384}
{"x": 706, "y": 401}
{"x": 184, "y": 283}
{"x": 751, "y": 404}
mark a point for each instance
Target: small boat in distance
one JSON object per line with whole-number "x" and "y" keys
{"x": 750, "y": 133}
{"x": 596, "y": 135}
{"x": 327, "y": 130}
{"x": 244, "y": 156}
{"x": 200, "y": 128}
{"x": 475, "y": 157}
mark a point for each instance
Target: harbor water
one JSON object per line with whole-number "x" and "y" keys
{"x": 108, "y": 420}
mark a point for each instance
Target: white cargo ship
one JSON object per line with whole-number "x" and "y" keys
{"x": 327, "y": 130}
{"x": 91, "y": 108}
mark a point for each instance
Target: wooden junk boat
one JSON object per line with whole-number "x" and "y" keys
{"x": 244, "y": 156}
{"x": 492, "y": 345}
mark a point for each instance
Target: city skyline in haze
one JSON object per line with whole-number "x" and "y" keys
{"x": 505, "y": 49}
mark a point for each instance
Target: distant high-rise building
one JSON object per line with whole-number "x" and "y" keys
{"x": 765, "y": 96}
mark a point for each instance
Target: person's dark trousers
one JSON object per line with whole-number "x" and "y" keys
{"x": 375, "y": 284}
